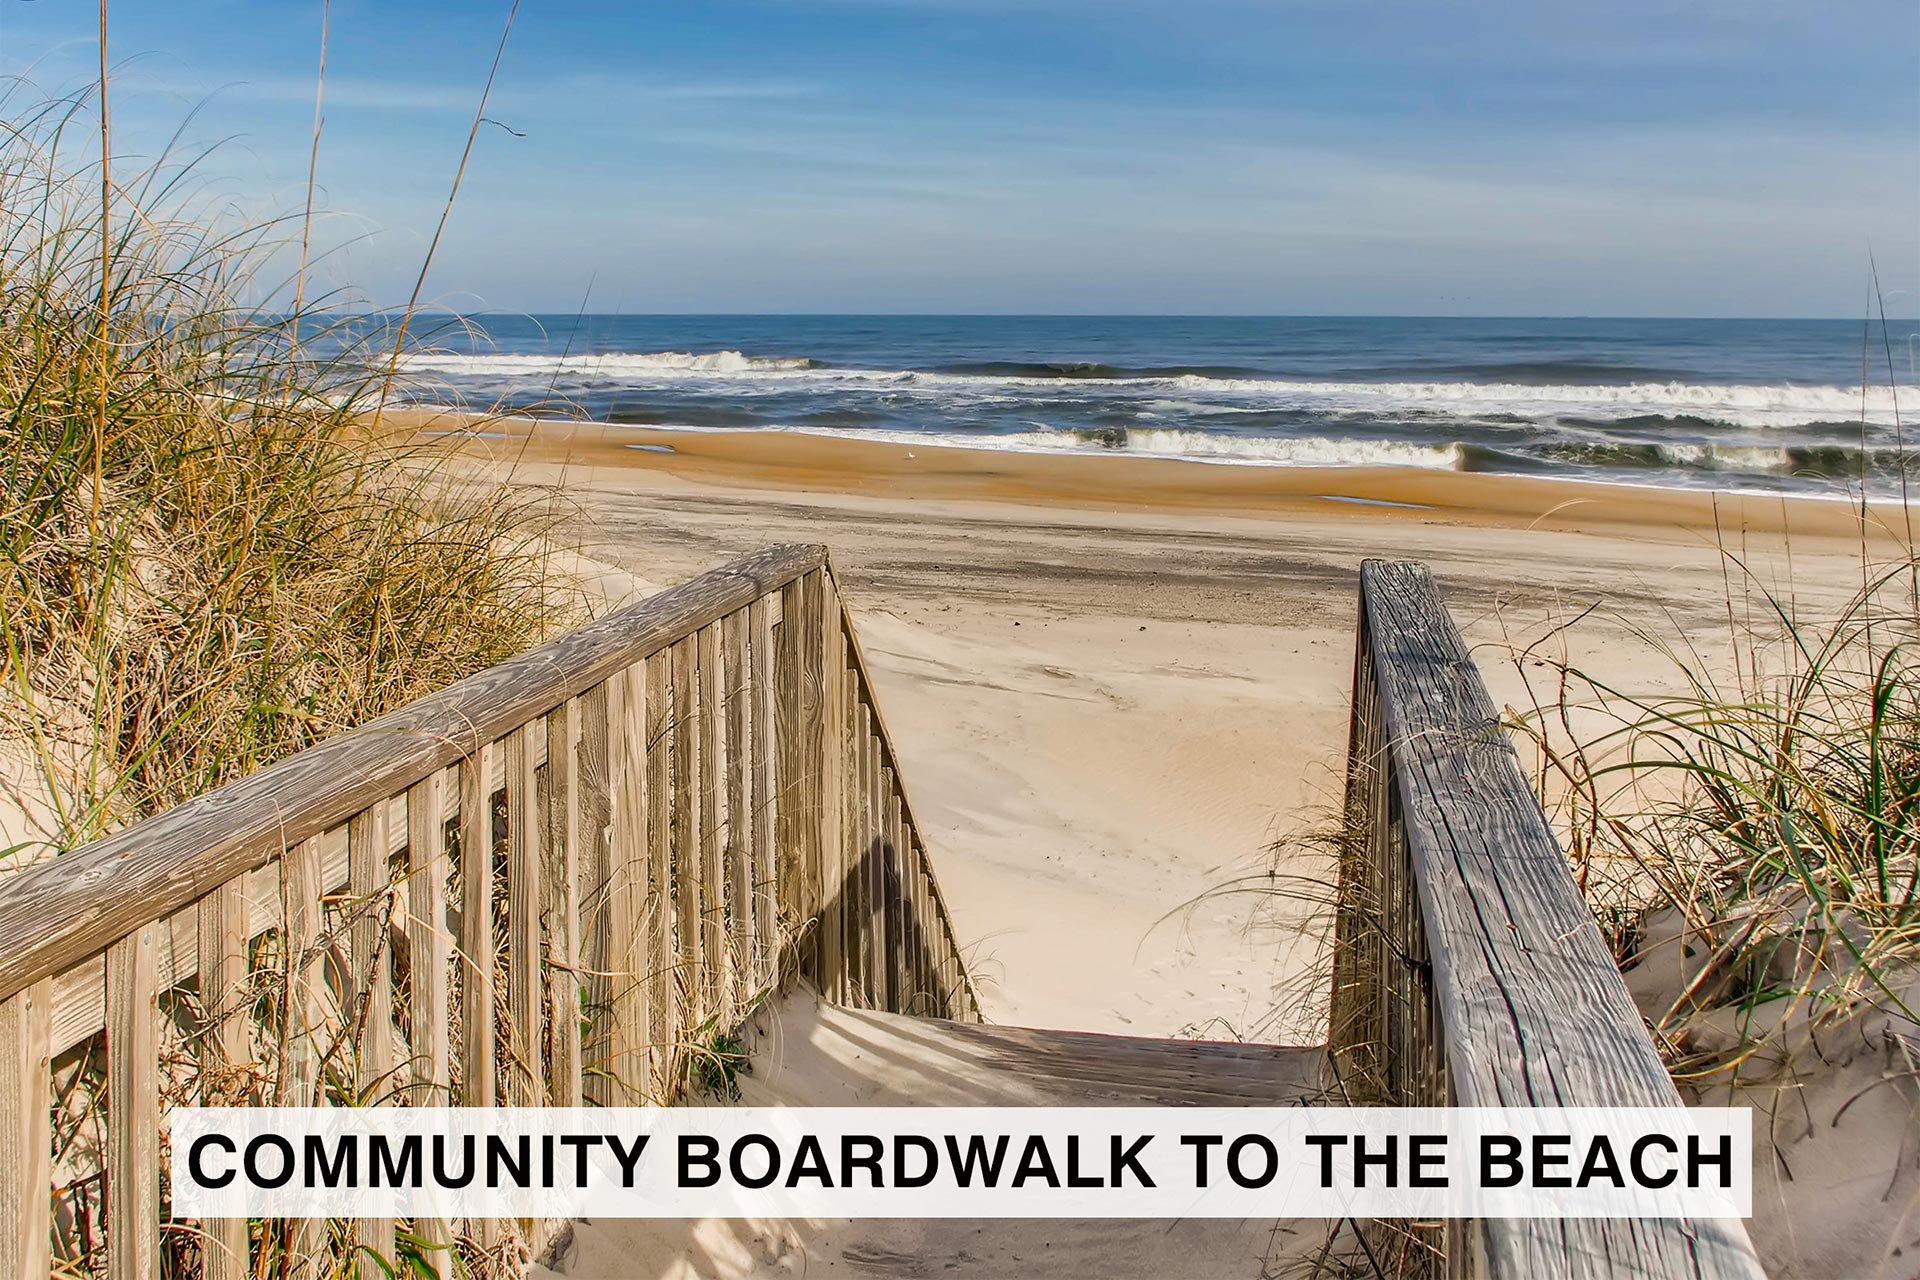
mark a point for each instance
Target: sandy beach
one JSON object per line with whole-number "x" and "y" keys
{"x": 1117, "y": 682}
{"x": 1120, "y": 691}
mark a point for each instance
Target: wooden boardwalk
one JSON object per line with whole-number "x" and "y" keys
{"x": 599, "y": 856}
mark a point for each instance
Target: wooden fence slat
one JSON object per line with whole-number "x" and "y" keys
{"x": 26, "y": 1140}
{"x": 133, "y": 1107}
{"x": 370, "y": 1001}
{"x": 478, "y": 1085}
{"x": 711, "y": 732}
{"x": 854, "y": 838}
{"x": 627, "y": 709}
{"x": 874, "y": 858}
{"x": 765, "y": 805}
{"x": 898, "y": 905}
{"x": 687, "y": 906}
{"x": 222, "y": 1048}
{"x": 657, "y": 741}
{"x": 562, "y": 880}
{"x": 595, "y": 795}
{"x": 526, "y": 895}
{"x": 737, "y": 704}
{"x": 430, "y": 954}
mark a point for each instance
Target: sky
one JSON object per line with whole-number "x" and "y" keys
{"x": 1476, "y": 157}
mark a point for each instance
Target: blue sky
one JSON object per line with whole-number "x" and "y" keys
{"x": 1697, "y": 157}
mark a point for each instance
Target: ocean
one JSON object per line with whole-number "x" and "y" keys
{"x": 1763, "y": 405}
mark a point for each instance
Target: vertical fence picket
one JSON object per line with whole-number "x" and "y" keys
{"x": 737, "y": 704}
{"x": 765, "y": 806}
{"x": 429, "y": 953}
{"x": 686, "y": 820}
{"x": 562, "y": 886}
{"x": 525, "y": 1062}
{"x": 595, "y": 797}
{"x": 477, "y": 1083}
{"x": 627, "y": 706}
{"x": 712, "y": 825}
{"x": 370, "y": 1002}
{"x": 222, "y": 929}
{"x": 875, "y": 925}
{"x": 133, "y": 1106}
{"x": 835, "y": 781}
{"x": 656, "y": 741}
{"x": 26, "y": 1141}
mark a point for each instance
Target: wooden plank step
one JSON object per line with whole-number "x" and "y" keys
{"x": 806, "y": 1052}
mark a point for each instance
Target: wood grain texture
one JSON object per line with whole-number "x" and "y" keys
{"x": 478, "y": 1084}
{"x": 835, "y": 766}
{"x": 133, "y": 1107}
{"x": 1532, "y": 1010}
{"x": 631, "y": 1066}
{"x": 662, "y": 945}
{"x": 562, "y": 884}
{"x": 430, "y": 956}
{"x": 737, "y": 705}
{"x": 711, "y": 733}
{"x": 55, "y": 916}
{"x": 765, "y": 805}
{"x": 596, "y": 808}
{"x": 370, "y": 1001}
{"x": 26, "y": 1140}
{"x": 687, "y": 905}
{"x": 526, "y": 895}
{"x": 223, "y": 1048}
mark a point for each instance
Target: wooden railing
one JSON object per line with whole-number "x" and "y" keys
{"x": 1467, "y": 969}
{"x": 560, "y": 881}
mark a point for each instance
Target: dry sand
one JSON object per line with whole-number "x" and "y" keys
{"x": 1116, "y": 682}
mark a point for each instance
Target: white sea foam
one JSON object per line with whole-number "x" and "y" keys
{"x": 1750, "y": 405}
{"x": 607, "y": 365}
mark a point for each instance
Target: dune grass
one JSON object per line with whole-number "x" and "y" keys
{"x": 211, "y": 555}
{"x": 207, "y": 558}
{"x": 1756, "y": 830}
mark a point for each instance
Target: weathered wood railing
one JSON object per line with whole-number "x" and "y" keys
{"x": 1467, "y": 969}
{"x": 555, "y": 882}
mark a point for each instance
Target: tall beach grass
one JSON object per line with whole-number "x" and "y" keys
{"x": 208, "y": 559}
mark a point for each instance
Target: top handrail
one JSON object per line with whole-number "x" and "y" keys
{"x": 1532, "y": 1009}
{"x": 60, "y": 913}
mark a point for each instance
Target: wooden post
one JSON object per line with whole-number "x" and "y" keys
{"x": 26, "y": 1140}
{"x": 430, "y": 952}
{"x": 661, "y": 950}
{"x": 565, "y": 822}
{"x": 713, "y": 986}
{"x": 371, "y": 999}
{"x": 737, "y": 699}
{"x": 222, "y": 930}
{"x": 765, "y": 805}
{"x": 898, "y": 897}
{"x": 626, "y": 922}
{"x": 687, "y": 816}
{"x": 477, "y": 1070}
{"x": 836, "y": 786}
{"x": 854, "y": 838}
{"x": 133, "y": 1108}
{"x": 595, "y": 798}
{"x": 873, "y": 851}
{"x": 525, "y": 894}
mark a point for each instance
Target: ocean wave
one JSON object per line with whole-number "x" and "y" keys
{"x": 612, "y": 364}
{"x": 1712, "y": 404}
{"x": 1828, "y": 462}
{"x": 1085, "y": 371}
